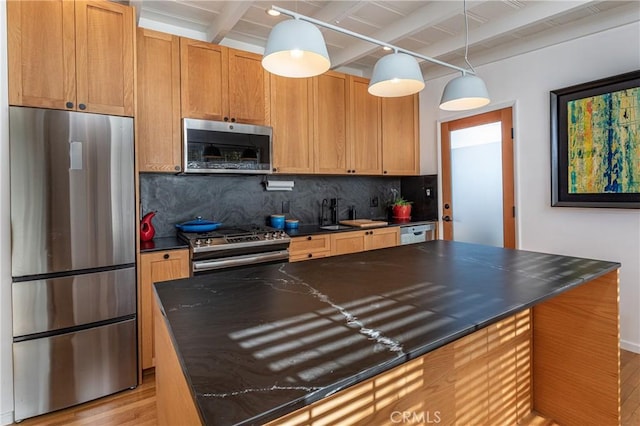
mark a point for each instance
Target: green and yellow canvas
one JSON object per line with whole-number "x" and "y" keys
{"x": 604, "y": 143}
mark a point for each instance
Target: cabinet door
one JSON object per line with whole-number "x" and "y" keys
{"x": 104, "y": 57}
{"x": 41, "y": 53}
{"x": 158, "y": 114}
{"x": 382, "y": 238}
{"x": 364, "y": 129}
{"x": 203, "y": 80}
{"x": 400, "y": 153}
{"x": 330, "y": 118}
{"x": 291, "y": 118}
{"x": 347, "y": 242}
{"x": 248, "y": 88}
{"x": 156, "y": 267}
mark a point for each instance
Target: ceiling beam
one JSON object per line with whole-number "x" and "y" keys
{"x": 593, "y": 24}
{"x": 335, "y": 11}
{"x": 431, "y": 14}
{"x": 534, "y": 13}
{"x": 227, "y": 19}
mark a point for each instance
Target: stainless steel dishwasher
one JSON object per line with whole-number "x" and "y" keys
{"x": 412, "y": 234}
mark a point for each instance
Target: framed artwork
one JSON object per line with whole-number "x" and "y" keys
{"x": 595, "y": 143}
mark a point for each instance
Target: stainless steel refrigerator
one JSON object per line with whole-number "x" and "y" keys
{"x": 73, "y": 258}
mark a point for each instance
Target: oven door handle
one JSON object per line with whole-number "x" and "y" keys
{"x": 251, "y": 259}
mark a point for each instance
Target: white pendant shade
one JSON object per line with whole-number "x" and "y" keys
{"x": 296, "y": 49}
{"x": 396, "y": 74}
{"x": 463, "y": 93}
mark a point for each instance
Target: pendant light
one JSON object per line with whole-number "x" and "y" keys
{"x": 466, "y": 91}
{"x": 296, "y": 48}
{"x": 396, "y": 74}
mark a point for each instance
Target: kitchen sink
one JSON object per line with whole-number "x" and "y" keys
{"x": 335, "y": 227}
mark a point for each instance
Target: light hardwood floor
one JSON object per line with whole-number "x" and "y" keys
{"x": 137, "y": 407}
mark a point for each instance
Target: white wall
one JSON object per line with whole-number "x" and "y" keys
{"x": 525, "y": 82}
{"x": 6, "y": 375}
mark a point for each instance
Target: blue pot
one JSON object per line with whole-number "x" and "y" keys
{"x": 198, "y": 225}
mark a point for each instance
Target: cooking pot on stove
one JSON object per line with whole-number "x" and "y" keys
{"x": 198, "y": 225}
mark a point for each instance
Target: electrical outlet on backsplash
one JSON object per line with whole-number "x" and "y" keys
{"x": 241, "y": 200}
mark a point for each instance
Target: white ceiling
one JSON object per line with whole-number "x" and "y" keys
{"x": 497, "y": 28}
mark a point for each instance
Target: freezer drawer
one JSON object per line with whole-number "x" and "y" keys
{"x": 56, "y": 303}
{"x": 68, "y": 369}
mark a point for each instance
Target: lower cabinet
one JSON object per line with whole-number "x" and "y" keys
{"x": 357, "y": 241}
{"x": 155, "y": 267}
{"x": 310, "y": 247}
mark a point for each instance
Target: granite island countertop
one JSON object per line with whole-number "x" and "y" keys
{"x": 260, "y": 342}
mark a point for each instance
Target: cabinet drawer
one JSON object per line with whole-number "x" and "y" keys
{"x": 308, "y": 256}
{"x": 382, "y": 238}
{"x": 348, "y": 242}
{"x": 310, "y": 247}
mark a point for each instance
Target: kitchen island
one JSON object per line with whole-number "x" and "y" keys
{"x": 440, "y": 332}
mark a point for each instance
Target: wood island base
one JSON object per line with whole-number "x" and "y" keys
{"x": 559, "y": 359}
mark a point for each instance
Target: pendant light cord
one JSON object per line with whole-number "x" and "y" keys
{"x": 466, "y": 35}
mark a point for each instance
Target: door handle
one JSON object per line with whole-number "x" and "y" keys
{"x": 446, "y": 219}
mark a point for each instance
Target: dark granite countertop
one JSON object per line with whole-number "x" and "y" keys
{"x": 164, "y": 243}
{"x": 259, "y": 342}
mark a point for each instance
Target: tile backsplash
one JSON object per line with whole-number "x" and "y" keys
{"x": 238, "y": 200}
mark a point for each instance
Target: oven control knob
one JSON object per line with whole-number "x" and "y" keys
{"x": 283, "y": 234}
{"x": 198, "y": 242}
{"x": 267, "y": 235}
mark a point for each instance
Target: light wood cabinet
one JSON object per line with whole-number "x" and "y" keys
{"x": 248, "y": 88}
{"x": 309, "y": 247}
{"x": 158, "y": 110}
{"x": 357, "y": 241}
{"x": 330, "y": 123}
{"x": 155, "y": 267}
{"x": 71, "y": 55}
{"x": 222, "y": 84}
{"x": 203, "y": 80}
{"x": 400, "y": 141}
{"x": 364, "y": 129}
{"x": 291, "y": 103}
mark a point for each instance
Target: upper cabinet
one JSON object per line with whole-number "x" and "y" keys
{"x": 400, "y": 140}
{"x": 158, "y": 111}
{"x": 364, "y": 129}
{"x": 330, "y": 122}
{"x": 71, "y": 55}
{"x": 292, "y": 120}
{"x": 222, "y": 84}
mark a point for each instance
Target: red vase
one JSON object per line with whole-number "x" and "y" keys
{"x": 147, "y": 231}
{"x": 402, "y": 212}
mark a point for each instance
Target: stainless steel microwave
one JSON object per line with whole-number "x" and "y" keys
{"x": 223, "y": 147}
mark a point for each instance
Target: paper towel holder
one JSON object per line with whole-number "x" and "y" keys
{"x": 278, "y": 185}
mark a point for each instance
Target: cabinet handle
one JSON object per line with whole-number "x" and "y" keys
{"x": 226, "y": 119}
{"x": 353, "y": 171}
{"x": 69, "y": 105}
{"x": 177, "y": 168}
{"x": 275, "y": 169}
{"x": 385, "y": 172}
{"x": 233, "y": 120}
{"x": 309, "y": 238}
{"x": 166, "y": 255}
{"x": 310, "y": 255}
{"x": 82, "y": 106}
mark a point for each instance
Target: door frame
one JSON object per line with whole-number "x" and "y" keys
{"x": 504, "y": 115}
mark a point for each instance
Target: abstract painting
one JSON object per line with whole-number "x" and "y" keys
{"x": 595, "y": 133}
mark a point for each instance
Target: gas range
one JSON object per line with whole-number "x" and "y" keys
{"x": 238, "y": 246}
{"x": 230, "y": 238}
